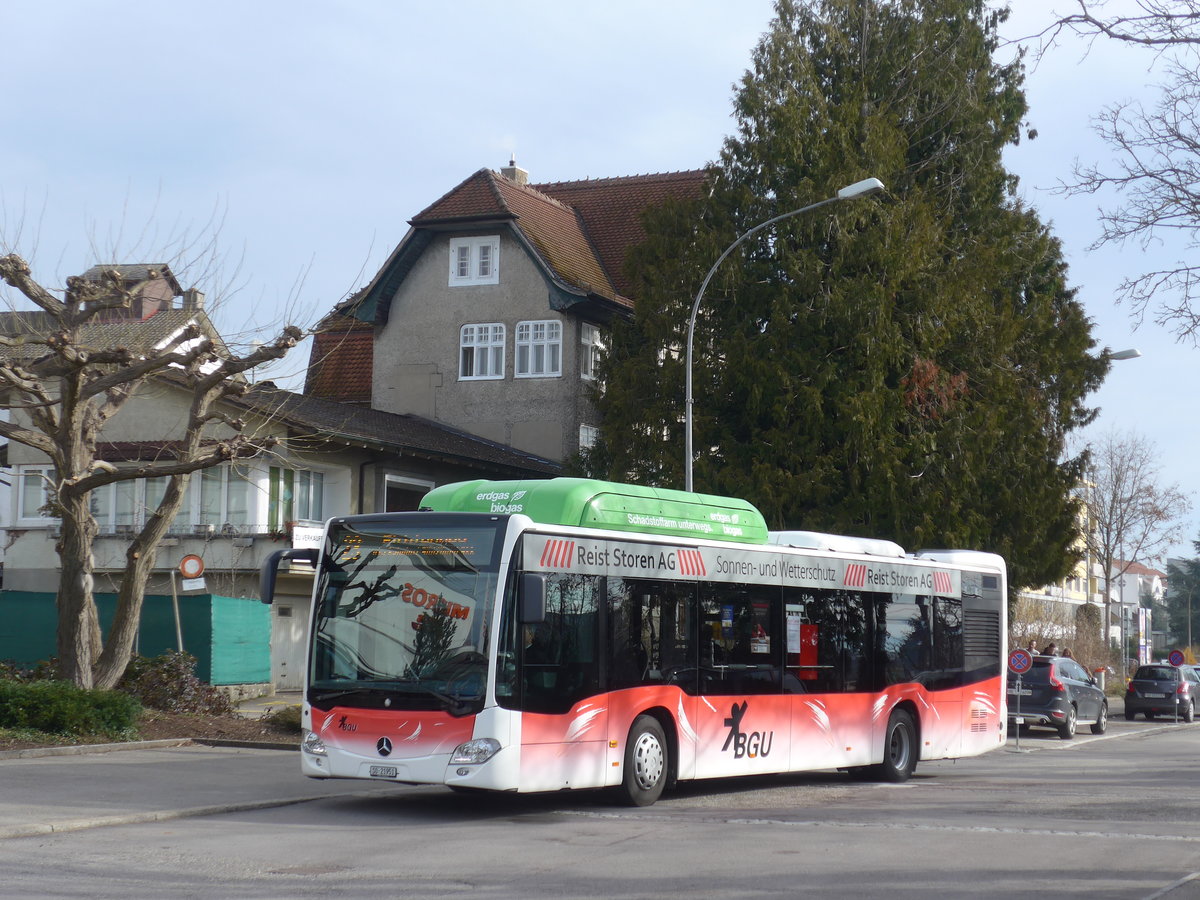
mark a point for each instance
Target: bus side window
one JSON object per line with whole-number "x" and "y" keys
{"x": 559, "y": 656}
{"x": 947, "y": 644}
{"x": 740, "y": 641}
{"x": 834, "y": 626}
{"x": 650, "y": 633}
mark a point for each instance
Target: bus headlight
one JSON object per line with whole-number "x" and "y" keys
{"x": 312, "y": 743}
{"x": 476, "y": 751}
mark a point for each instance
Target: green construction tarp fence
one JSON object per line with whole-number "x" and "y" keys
{"x": 229, "y": 636}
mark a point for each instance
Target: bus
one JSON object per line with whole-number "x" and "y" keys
{"x": 560, "y": 634}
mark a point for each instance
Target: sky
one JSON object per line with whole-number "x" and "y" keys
{"x": 282, "y": 146}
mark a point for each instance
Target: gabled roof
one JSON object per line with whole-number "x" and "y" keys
{"x": 134, "y": 273}
{"x": 612, "y": 208}
{"x": 391, "y": 432}
{"x": 580, "y": 232}
{"x": 136, "y": 335}
{"x": 1137, "y": 568}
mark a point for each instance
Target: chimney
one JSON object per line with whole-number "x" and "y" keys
{"x": 513, "y": 172}
{"x": 193, "y": 300}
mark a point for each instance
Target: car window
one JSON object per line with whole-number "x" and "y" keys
{"x": 1156, "y": 673}
{"x": 1072, "y": 670}
{"x": 1038, "y": 674}
{"x": 1189, "y": 673}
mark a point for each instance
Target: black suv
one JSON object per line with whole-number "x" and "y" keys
{"x": 1057, "y": 693}
{"x": 1163, "y": 690}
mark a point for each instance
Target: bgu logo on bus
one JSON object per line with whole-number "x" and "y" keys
{"x": 750, "y": 745}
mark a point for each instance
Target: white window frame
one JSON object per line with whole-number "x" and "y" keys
{"x": 292, "y": 509}
{"x": 45, "y": 475}
{"x": 591, "y": 344}
{"x": 589, "y": 435}
{"x": 191, "y": 514}
{"x": 469, "y": 337}
{"x": 405, "y": 482}
{"x": 538, "y": 349}
{"x": 474, "y": 260}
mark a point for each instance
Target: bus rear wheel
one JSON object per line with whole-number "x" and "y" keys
{"x": 899, "y": 749}
{"x": 646, "y": 762}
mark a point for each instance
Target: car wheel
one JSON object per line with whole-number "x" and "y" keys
{"x": 1129, "y": 715}
{"x": 645, "y": 762}
{"x": 1066, "y": 730}
{"x": 1101, "y": 724}
{"x": 1150, "y": 716}
{"x": 1189, "y": 714}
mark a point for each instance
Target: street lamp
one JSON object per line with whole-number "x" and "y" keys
{"x": 863, "y": 188}
{"x": 1112, "y": 356}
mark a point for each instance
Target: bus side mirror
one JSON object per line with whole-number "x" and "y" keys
{"x": 270, "y": 569}
{"x": 532, "y": 598}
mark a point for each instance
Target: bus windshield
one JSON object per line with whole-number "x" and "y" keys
{"x": 402, "y": 614}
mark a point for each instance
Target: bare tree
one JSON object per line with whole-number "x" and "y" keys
{"x": 1133, "y": 517}
{"x": 63, "y": 387}
{"x": 1155, "y": 172}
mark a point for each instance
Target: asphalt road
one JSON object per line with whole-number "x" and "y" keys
{"x": 1116, "y": 816}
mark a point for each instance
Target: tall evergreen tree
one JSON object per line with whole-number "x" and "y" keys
{"x": 1183, "y": 600}
{"x": 905, "y": 367}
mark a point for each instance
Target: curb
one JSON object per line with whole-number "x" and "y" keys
{"x": 81, "y": 749}
{"x": 163, "y": 815}
{"x": 248, "y": 745}
{"x": 164, "y": 744}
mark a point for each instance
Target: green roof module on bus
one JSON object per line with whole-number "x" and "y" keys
{"x": 587, "y": 503}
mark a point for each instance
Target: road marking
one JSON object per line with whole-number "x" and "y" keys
{"x": 910, "y": 826}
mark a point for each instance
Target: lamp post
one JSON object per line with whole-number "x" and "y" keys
{"x": 863, "y": 188}
{"x": 1117, "y": 355}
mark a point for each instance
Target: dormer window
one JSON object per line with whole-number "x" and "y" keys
{"x": 475, "y": 260}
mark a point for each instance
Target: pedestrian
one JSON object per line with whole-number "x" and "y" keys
{"x": 1031, "y": 648}
{"x": 1067, "y": 653}
{"x": 1051, "y": 649}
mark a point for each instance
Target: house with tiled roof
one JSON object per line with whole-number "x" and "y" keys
{"x": 490, "y": 314}
{"x": 325, "y": 458}
{"x": 1138, "y": 593}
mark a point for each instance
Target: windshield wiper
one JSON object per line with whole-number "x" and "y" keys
{"x": 323, "y": 694}
{"x": 454, "y": 704}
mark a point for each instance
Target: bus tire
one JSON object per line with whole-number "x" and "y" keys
{"x": 646, "y": 762}
{"x": 899, "y": 749}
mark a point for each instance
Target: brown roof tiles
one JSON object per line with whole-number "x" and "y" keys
{"x": 582, "y": 230}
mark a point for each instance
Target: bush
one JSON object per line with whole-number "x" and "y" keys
{"x": 59, "y": 707}
{"x": 45, "y": 670}
{"x": 286, "y": 718}
{"x": 169, "y": 683}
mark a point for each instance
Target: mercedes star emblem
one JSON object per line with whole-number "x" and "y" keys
{"x": 384, "y": 747}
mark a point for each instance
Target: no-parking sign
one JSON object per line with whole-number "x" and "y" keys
{"x": 1176, "y": 658}
{"x": 1020, "y": 662}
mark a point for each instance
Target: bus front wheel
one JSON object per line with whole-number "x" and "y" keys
{"x": 646, "y": 762}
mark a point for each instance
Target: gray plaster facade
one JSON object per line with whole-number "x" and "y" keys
{"x": 417, "y": 353}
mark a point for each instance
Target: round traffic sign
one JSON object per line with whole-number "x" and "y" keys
{"x": 1176, "y": 658}
{"x": 191, "y": 566}
{"x": 1020, "y": 661}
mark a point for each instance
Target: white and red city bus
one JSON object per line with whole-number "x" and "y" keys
{"x": 570, "y": 634}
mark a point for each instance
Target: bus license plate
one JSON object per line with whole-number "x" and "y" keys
{"x": 383, "y": 771}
